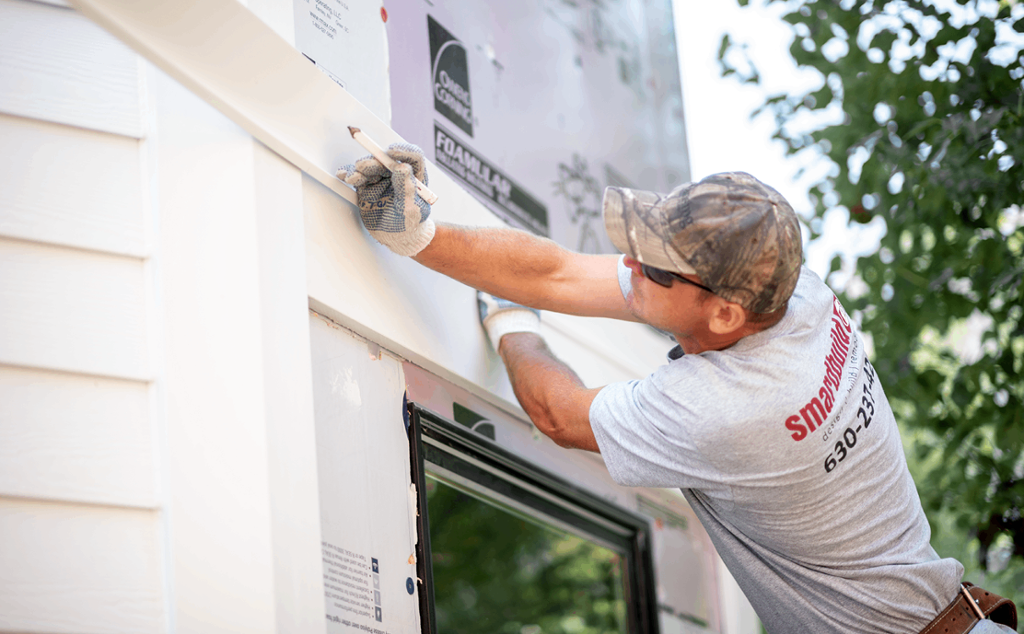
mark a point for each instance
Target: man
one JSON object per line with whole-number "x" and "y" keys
{"x": 768, "y": 416}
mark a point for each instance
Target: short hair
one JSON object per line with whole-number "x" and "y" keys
{"x": 764, "y": 321}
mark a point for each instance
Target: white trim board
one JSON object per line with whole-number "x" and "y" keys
{"x": 249, "y": 73}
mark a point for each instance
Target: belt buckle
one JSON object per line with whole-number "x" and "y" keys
{"x": 971, "y": 602}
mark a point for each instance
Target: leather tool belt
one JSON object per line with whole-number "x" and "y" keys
{"x": 971, "y": 605}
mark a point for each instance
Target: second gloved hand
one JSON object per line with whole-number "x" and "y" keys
{"x": 392, "y": 211}
{"x": 500, "y": 317}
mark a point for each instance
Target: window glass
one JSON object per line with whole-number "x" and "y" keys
{"x": 500, "y": 570}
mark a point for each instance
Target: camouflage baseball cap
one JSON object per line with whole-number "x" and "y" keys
{"x": 737, "y": 234}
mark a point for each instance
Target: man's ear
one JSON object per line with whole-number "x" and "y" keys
{"x": 726, "y": 317}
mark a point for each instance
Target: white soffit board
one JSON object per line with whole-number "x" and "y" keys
{"x": 221, "y": 51}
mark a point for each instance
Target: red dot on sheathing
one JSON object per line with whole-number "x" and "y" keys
{"x": 383, "y": 14}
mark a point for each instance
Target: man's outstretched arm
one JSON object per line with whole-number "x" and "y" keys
{"x": 527, "y": 270}
{"x": 516, "y": 265}
{"x": 550, "y": 392}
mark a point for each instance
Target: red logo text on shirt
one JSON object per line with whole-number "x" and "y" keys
{"x": 813, "y": 414}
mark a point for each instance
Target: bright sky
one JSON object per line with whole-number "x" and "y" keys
{"x": 720, "y": 133}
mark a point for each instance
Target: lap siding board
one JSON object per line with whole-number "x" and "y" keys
{"x": 79, "y": 507}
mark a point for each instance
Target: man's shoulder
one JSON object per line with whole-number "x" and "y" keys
{"x": 811, "y": 291}
{"x": 808, "y": 310}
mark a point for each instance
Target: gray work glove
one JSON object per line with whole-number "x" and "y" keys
{"x": 392, "y": 211}
{"x": 500, "y": 317}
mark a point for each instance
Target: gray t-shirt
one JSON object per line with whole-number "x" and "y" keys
{"x": 787, "y": 450}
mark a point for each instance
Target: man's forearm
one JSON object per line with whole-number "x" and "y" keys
{"x": 486, "y": 257}
{"x": 526, "y": 269}
{"x": 549, "y": 391}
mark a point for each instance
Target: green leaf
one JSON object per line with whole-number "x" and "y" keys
{"x": 957, "y": 184}
{"x": 723, "y": 47}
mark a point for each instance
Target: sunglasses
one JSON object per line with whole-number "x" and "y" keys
{"x": 665, "y": 278}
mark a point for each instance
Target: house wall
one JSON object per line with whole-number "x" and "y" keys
{"x": 80, "y": 496}
{"x": 158, "y": 436}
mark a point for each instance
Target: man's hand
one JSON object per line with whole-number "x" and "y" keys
{"x": 392, "y": 211}
{"x": 500, "y": 317}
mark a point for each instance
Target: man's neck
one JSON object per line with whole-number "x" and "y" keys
{"x": 707, "y": 340}
{"x": 704, "y": 342}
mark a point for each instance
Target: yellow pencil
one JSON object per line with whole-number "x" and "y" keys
{"x": 388, "y": 162}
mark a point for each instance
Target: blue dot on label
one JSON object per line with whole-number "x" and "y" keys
{"x": 410, "y": 586}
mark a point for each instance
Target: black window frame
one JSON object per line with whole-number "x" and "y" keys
{"x": 440, "y": 442}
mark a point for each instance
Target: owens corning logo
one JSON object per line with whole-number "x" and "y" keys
{"x": 450, "y": 69}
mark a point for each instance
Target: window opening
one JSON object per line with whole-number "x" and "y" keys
{"x": 510, "y": 548}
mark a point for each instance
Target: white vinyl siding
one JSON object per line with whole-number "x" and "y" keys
{"x": 72, "y": 310}
{"x": 80, "y": 520}
{"x": 57, "y": 429}
{"x": 74, "y": 187}
{"x": 67, "y": 568}
{"x": 56, "y": 65}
